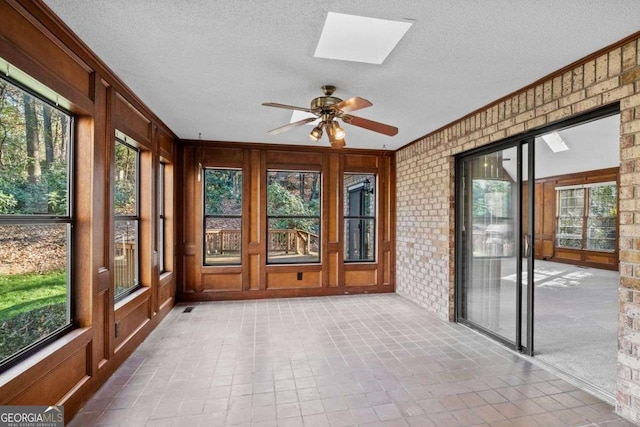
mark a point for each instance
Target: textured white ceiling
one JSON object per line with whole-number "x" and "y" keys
{"x": 205, "y": 66}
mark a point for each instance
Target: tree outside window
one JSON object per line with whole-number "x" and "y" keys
{"x": 222, "y": 216}
{"x": 293, "y": 215}
{"x": 359, "y": 217}
{"x": 602, "y": 217}
{"x": 35, "y": 222}
{"x": 127, "y": 220}
{"x": 595, "y": 204}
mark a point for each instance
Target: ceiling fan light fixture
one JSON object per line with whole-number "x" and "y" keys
{"x": 334, "y": 131}
{"x": 316, "y": 133}
{"x": 338, "y": 132}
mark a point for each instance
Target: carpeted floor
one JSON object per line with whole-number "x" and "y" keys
{"x": 576, "y": 321}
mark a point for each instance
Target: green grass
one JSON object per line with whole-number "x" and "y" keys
{"x": 22, "y": 293}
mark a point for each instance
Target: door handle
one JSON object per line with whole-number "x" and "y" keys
{"x": 527, "y": 245}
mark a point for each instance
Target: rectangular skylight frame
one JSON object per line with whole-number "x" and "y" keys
{"x": 359, "y": 38}
{"x": 555, "y": 142}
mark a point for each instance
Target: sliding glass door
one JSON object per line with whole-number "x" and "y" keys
{"x": 494, "y": 243}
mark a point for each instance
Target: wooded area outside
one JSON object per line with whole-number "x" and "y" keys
{"x": 293, "y": 212}
{"x": 223, "y": 216}
{"x": 35, "y": 145}
{"x": 125, "y": 202}
{"x": 597, "y": 204}
{"x": 359, "y": 206}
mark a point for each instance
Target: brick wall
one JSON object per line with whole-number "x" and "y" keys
{"x": 425, "y": 189}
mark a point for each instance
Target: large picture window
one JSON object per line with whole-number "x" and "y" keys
{"x": 293, "y": 215}
{"x": 359, "y": 217}
{"x": 587, "y": 216}
{"x": 127, "y": 219}
{"x": 35, "y": 222}
{"x": 222, "y": 216}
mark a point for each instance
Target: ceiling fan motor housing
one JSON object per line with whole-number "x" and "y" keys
{"x": 324, "y": 103}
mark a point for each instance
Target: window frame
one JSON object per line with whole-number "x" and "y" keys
{"x": 39, "y": 219}
{"x": 275, "y": 217}
{"x": 586, "y": 215}
{"x": 161, "y": 217}
{"x": 121, "y": 138}
{"x": 206, "y": 216}
{"x": 559, "y": 216}
{"x": 372, "y": 218}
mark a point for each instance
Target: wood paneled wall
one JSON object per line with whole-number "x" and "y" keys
{"x": 70, "y": 369}
{"x": 255, "y": 278}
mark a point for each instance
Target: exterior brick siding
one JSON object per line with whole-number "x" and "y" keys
{"x": 425, "y": 204}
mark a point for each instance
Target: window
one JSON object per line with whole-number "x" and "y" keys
{"x": 161, "y": 217}
{"x": 602, "y": 217}
{"x": 127, "y": 220}
{"x": 293, "y": 216}
{"x": 570, "y": 217}
{"x": 35, "y": 222}
{"x": 594, "y": 203}
{"x": 222, "y": 216}
{"x": 359, "y": 217}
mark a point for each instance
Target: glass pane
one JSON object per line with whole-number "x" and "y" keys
{"x": 161, "y": 262}
{"x": 601, "y": 234}
{"x": 293, "y": 193}
{"x": 293, "y": 240}
{"x": 223, "y": 192}
{"x": 126, "y": 256}
{"x": 161, "y": 195}
{"x": 603, "y": 201}
{"x": 34, "y": 154}
{"x": 359, "y": 194}
{"x": 489, "y": 259}
{"x": 570, "y": 218}
{"x": 161, "y": 217}
{"x": 34, "y": 289}
{"x": 571, "y": 202}
{"x": 601, "y": 224}
{"x": 125, "y": 200}
{"x": 526, "y": 242}
{"x": 222, "y": 241}
{"x": 359, "y": 240}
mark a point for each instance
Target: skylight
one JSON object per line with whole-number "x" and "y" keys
{"x": 555, "y": 142}
{"x": 358, "y": 38}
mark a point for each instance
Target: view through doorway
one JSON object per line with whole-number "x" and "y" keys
{"x": 537, "y": 257}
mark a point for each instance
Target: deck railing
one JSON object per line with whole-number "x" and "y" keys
{"x": 289, "y": 241}
{"x": 220, "y": 242}
{"x": 125, "y": 265}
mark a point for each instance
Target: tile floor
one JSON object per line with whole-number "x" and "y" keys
{"x": 375, "y": 360}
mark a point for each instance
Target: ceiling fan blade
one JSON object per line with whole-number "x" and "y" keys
{"x": 291, "y": 126}
{"x": 371, "y": 125}
{"x": 352, "y": 104}
{"x": 287, "y": 107}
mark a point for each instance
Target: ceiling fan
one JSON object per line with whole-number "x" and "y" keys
{"x": 329, "y": 108}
